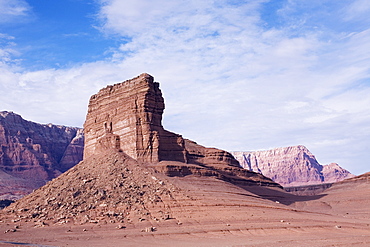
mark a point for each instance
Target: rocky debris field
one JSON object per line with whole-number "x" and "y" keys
{"x": 111, "y": 188}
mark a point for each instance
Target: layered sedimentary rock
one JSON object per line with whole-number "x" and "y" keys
{"x": 334, "y": 173}
{"x": 31, "y": 153}
{"x": 291, "y": 166}
{"x": 128, "y": 116}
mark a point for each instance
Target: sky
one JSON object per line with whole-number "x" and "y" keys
{"x": 236, "y": 75}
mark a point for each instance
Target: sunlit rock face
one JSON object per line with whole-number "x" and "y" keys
{"x": 128, "y": 116}
{"x": 32, "y": 154}
{"x": 291, "y": 166}
{"x": 334, "y": 173}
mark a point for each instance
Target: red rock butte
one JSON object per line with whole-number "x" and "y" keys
{"x": 128, "y": 116}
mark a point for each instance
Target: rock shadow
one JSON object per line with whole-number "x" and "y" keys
{"x": 278, "y": 195}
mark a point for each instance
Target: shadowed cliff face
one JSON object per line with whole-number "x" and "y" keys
{"x": 31, "y": 153}
{"x": 291, "y": 166}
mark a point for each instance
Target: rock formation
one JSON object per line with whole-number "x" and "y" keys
{"x": 128, "y": 116}
{"x": 32, "y": 154}
{"x": 291, "y": 166}
{"x": 128, "y": 158}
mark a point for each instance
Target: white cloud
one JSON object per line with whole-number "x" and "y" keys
{"x": 230, "y": 90}
{"x": 131, "y": 17}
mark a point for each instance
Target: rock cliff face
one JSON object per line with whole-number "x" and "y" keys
{"x": 74, "y": 152}
{"x": 334, "y": 173}
{"x": 291, "y": 166}
{"x": 31, "y": 153}
{"x": 128, "y": 116}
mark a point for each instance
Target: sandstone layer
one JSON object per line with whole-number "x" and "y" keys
{"x": 32, "y": 154}
{"x": 291, "y": 166}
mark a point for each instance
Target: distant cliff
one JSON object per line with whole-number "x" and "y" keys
{"x": 291, "y": 166}
{"x": 32, "y": 154}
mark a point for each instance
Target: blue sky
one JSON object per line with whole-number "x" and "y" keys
{"x": 58, "y": 34}
{"x": 237, "y": 75}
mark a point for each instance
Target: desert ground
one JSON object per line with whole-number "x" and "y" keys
{"x": 218, "y": 213}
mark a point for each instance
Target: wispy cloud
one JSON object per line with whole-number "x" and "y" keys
{"x": 13, "y": 10}
{"x": 79, "y": 34}
{"x": 357, "y": 10}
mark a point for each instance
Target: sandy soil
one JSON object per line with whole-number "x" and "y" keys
{"x": 223, "y": 214}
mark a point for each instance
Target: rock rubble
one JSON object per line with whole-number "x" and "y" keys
{"x": 110, "y": 188}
